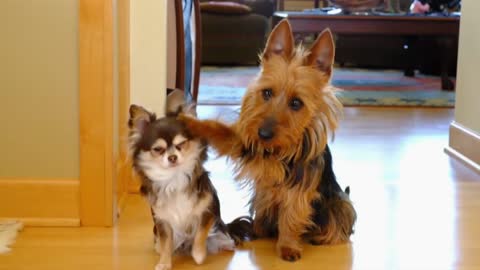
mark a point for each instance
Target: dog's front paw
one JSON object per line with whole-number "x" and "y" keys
{"x": 163, "y": 266}
{"x": 316, "y": 242}
{"x": 199, "y": 254}
{"x": 290, "y": 254}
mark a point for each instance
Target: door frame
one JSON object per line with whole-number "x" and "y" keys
{"x": 102, "y": 175}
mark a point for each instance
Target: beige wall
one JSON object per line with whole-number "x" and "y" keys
{"x": 467, "y": 106}
{"x": 148, "y": 48}
{"x": 39, "y": 89}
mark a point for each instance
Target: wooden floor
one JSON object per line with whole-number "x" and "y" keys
{"x": 417, "y": 208}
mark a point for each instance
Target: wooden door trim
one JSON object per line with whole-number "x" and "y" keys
{"x": 96, "y": 112}
{"x": 124, "y": 173}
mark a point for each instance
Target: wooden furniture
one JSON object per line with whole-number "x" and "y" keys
{"x": 356, "y": 5}
{"x": 446, "y": 29}
{"x": 316, "y": 4}
{"x": 227, "y": 30}
{"x": 197, "y": 51}
{"x": 182, "y": 47}
{"x": 303, "y": 22}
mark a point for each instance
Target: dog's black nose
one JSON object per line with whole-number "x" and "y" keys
{"x": 172, "y": 159}
{"x": 265, "y": 133}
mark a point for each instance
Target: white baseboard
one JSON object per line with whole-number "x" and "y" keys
{"x": 464, "y": 145}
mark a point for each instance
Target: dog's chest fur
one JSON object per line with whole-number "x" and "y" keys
{"x": 181, "y": 209}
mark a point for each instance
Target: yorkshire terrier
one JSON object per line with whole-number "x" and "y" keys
{"x": 184, "y": 203}
{"x": 279, "y": 145}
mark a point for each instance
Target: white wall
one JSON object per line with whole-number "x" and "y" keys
{"x": 467, "y": 105}
{"x": 148, "y": 49}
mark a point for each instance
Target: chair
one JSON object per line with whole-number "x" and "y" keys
{"x": 232, "y": 37}
{"x": 184, "y": 46}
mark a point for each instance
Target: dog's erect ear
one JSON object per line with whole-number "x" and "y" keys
{"x": 176, "y": 104}
{"x": 175, "y": 101}
{"x": 280, "y": 41}
{"x": 139, "y": 118}
{"x": 322, "y": 53}
{"x": 190, "y": 109}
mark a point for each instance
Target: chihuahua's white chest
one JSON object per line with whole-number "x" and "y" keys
{"x": 182, "y": 211}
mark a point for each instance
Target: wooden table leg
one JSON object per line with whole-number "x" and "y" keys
{"x": 409, "y": 53}
{"x": 446, "y": 47}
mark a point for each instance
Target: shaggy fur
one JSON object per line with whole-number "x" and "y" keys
{"x": 279, "y": 145}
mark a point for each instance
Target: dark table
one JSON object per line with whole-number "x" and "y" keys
{"x": 445, "y": 28}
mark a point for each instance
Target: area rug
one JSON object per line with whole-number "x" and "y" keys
{"x": 226, "y": 86}
{"x": 8, "y": 233}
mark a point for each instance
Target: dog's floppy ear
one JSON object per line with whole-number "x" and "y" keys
{"x": 280, "y": 42}
{"x": 322, "y": 53}
{"x": 139, "y": 118}
{"x": 176, "y": 103}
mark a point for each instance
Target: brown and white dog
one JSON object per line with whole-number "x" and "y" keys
{"x": 184, "y": 203}
{"x": 279, "y": 145}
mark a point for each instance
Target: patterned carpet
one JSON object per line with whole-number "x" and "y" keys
{"x": 226, "y": 85}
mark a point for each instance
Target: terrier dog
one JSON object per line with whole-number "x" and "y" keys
{"x": 279, "y": 145}
{"x": 184, "y": 203}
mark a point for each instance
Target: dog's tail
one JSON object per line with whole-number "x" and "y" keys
{"x": 338, "y": 220}
{"x": 227, "y": 236}
{"x": 241, "y": 229}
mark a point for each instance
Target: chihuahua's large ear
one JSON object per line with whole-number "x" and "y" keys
{"x": 176, "y": 103}
{"x": 322, "y": 53}
{"x": 280, "y": 41}
{"x": 139, "y": 118}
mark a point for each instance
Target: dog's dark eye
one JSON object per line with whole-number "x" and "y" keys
{"x": 267, "y": 94}
{"x": 180, "y": 145}
{"x": 296, "y": 104}
{"x": 159, "y": 150}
